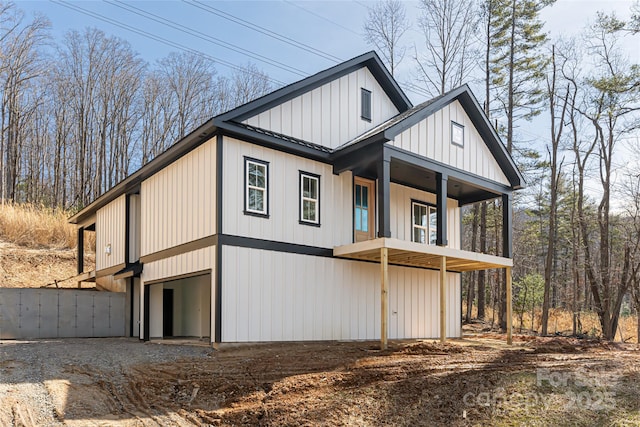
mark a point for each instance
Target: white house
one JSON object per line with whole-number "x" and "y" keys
{"x": 326, "y": 210}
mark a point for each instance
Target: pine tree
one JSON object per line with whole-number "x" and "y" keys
{"x": 518, "y": 69}
{"x": 517, "y": 63}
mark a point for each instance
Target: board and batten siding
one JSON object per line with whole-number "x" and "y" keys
{"x": 330, "y": 114}
{"x": 110, "y": 233}
{"x": 134, "y": 227}
{"x": 402, "y": 216}
{"x": 276, "y": 296}
{"x": 179, "y": 265}
{"x": 178, "y": 202}
{"x": 431, "y": 138}
{"x": 284, "y": 198}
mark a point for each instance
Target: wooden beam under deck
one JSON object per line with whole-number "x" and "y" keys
{"x": 88, "y": 276}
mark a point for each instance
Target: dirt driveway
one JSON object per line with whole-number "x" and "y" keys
{"x": 478, "y": 381}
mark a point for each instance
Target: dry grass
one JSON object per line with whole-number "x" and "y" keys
{"x": 35, "y": 226}
{"x": 561, "y": 322}
{"x": 38, "y": 246}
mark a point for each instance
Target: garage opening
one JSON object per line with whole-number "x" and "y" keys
{"x": 180, "y": 308}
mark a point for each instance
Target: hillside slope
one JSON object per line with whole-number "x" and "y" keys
{"x": 22, "y": 267}
{"x": 38, "y": 247}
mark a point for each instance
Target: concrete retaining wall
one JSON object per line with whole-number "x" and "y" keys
{"x": 57, "y": 313}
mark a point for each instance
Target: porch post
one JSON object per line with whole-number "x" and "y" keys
{"x": 384, "y": 187}
{"x": 509, "y": 311}
{"x": 443, "y": 299}
{"x": 441, "y": 209}
{"x": 384, "y": 296}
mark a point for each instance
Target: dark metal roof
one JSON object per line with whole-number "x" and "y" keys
{"x": 286, "y": 138}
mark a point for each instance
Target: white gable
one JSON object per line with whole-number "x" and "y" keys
{"x": 330, "y": 114}
{"x": 431, "y": 138}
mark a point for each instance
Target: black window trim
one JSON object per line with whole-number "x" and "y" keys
{"x": 244, "y": 189}
{"x": 302, "y": 221}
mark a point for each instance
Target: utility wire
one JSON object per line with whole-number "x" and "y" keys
{"x": 317, "y": 15}
{"x": 410, "y": 87}
{"x": 172, "y": 24}
{"x": 160, "y": 39}
{"x": 262, "y": 30}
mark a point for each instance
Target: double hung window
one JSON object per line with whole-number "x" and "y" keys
{"x": 424, "y": 223}
{"x": 256, "y": 187}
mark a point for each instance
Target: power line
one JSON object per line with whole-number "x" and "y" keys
{"x": 409, "y": 86}
{"x": 160, "y": 39}
{"x": 262, "y": 30}
{"x": 317, "y": 15}
{"x": 151, "y": 16}
{"x": 418, "y": 90}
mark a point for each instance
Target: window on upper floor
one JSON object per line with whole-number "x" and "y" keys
{"x": 424, "y": 223}
{"x": 365, "y": 104}
{"x": 256, "y": 182}
{"x": 309, "y": 198}
{"x": 457, "y": 134}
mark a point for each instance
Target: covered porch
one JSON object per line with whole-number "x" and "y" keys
{"x": 388, "y": 251}
{"x": 387, "y": 164}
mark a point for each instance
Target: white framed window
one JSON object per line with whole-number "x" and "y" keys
{"x": 457, "y": 134}
{"x": 424, "y": 223}
{"x": 256, "y": 182}
{"x": 309, "y": 198}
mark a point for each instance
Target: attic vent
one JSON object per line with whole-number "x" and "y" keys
{"x": 365, "y": 104}
{"x": 457, "y": 134}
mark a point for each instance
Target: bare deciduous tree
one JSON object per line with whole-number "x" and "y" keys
{"x": 449, "y": 56}
{"x": 19, "y": 64}
{"x": 385, "y": 25}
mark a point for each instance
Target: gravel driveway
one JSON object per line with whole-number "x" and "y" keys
{"x": 49, "y": 382}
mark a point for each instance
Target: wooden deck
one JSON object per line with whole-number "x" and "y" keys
{"x": 420, "y": 255}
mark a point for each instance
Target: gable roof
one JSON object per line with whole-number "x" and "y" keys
{"x": 388, "y": 130}
{"x": 371, "y": 60}
{"x": 229, "y": 123}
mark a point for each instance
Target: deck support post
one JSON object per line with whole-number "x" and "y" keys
{"x": 443, "y": 299}
{"x": 509, "y": 306}
{"x": 384, "y": 296}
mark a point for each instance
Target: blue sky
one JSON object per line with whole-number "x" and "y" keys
{"x": 332, "y": 27}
